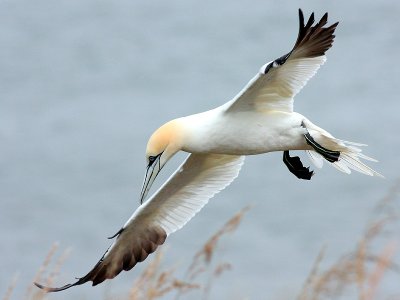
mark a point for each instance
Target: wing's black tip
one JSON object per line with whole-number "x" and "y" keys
{"x": 301, "y": 16}
{"x": 51, "y": 289}
{"x": 313, "y": 39}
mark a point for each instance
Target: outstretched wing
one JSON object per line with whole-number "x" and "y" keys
{"x": 197, "y": 180}
{"x": 277, "y": 82}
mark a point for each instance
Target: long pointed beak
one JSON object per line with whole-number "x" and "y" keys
{"x": 151, "y": 174}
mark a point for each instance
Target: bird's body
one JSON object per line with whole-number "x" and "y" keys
{"x": 258, "y": 120}
{"x": 245, "y": 133}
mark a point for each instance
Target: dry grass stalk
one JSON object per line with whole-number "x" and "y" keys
{"x": 142, "y": 287}
{"x": 10, "y": 289}
{"x": 381, "y": 267}
{"x": 312, "y": 275}
{"x": 388, "y": 201}
{"x": 185, "y": 287}
{"x": 360, "y": 270}
{"x": 203, "y": 257}
{"x": 153, "y": 284}
{"x": 57, "y": 266}
{"x": 40, "y": 294}
{"x": 353, "y": 270}
{"x": 222, "y": 268}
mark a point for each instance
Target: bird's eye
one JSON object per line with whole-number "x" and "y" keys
{"x": 152, "y": 159}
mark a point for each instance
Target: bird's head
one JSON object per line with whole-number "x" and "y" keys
{"x": 162, "y": 145}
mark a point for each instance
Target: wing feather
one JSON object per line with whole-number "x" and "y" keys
{"x": 277, "y": 82}
{"x": 190, "y": 188}
{"x": 197, "y": 180}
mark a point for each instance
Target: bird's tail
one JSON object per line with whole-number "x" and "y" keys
{"x": 343, "y": 155}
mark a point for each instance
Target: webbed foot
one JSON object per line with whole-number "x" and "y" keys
{"x": 295, "y": 166}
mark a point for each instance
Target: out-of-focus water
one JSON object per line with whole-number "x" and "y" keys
{"x": 84, "y": 83}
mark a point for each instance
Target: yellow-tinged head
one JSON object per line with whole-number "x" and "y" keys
{"x": 162, "y": 145}
{"x": 166, "y": 138}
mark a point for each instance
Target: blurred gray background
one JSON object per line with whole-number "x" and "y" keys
{"x": 83, "y": 84}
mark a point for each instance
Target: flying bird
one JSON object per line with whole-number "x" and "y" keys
{"x": 258, "y": 120}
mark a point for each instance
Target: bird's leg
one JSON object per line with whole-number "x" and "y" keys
{"x": 295, "y": 166}
{"x": 329, "y": 155}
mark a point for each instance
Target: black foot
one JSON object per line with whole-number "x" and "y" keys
{"x": 295, "y": 166}
{"x": 329, "y": 155}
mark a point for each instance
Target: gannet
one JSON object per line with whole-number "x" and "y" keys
{"x": 260, "y": 119}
